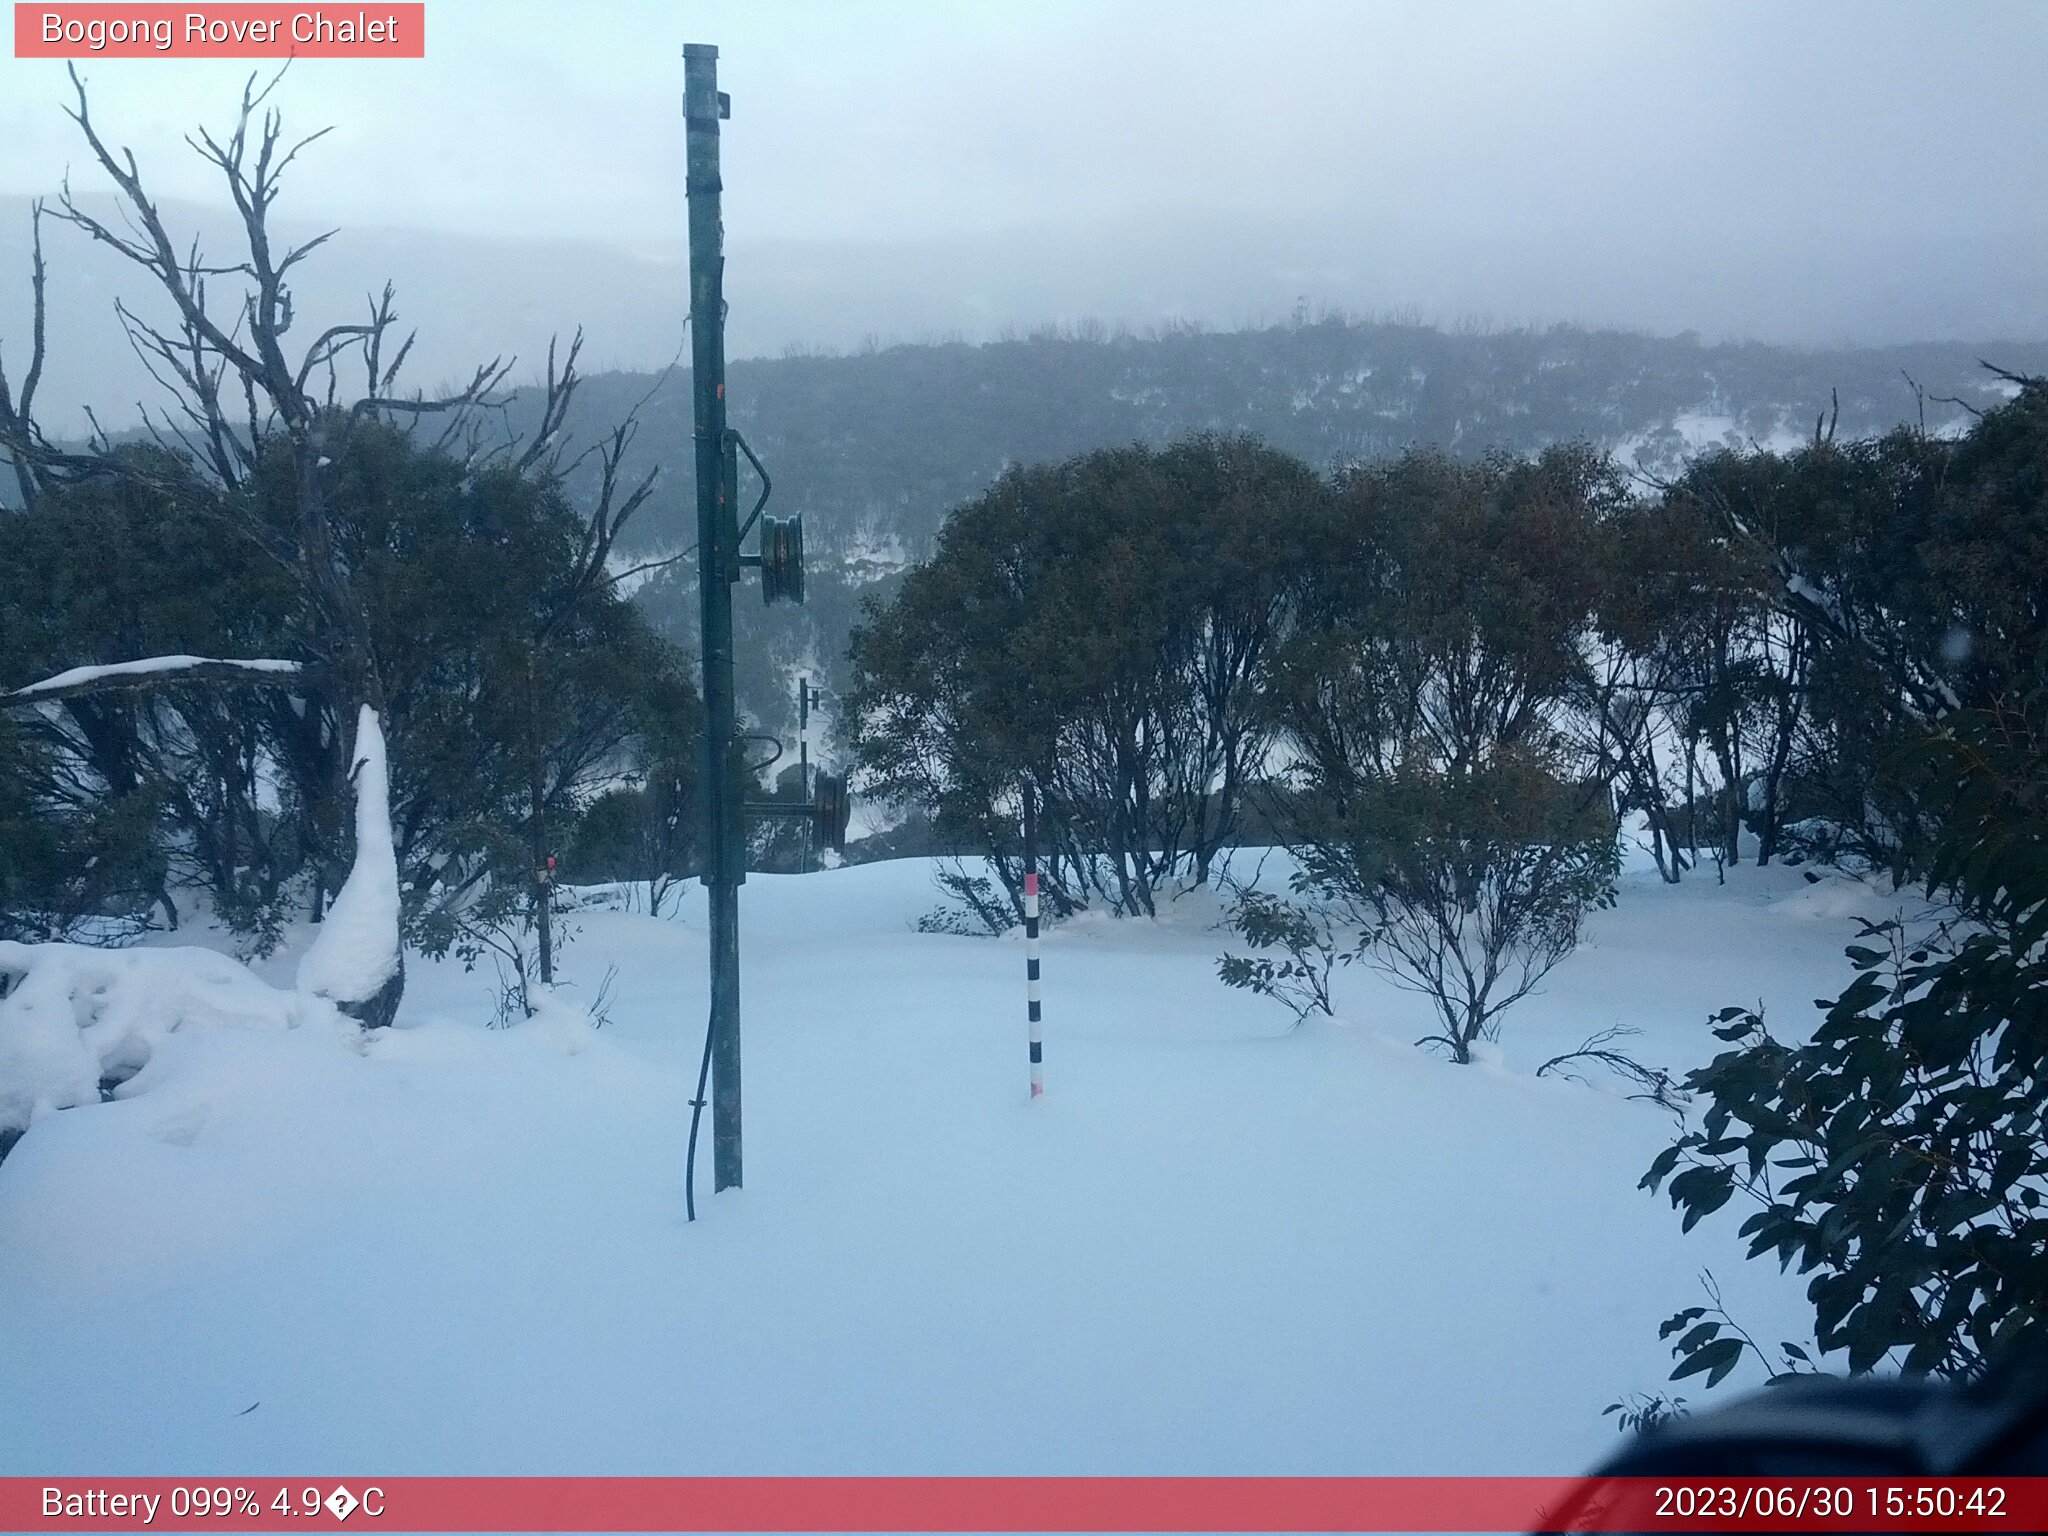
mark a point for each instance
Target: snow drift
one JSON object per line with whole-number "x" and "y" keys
{"x": 74, "y": 1018}
{"x": 1219, "y": 1244}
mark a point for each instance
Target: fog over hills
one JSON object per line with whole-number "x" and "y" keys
{"x": 876, "y": 446}
{"x": 1866, "y": 172}
{"x": 475, "y": 297}
{"x": 886, "y": 382}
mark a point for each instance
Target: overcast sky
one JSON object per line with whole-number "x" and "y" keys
{"x": 1811, "y": 171}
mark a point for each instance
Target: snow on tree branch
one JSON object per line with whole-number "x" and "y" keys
{"x": 153, "y": 671}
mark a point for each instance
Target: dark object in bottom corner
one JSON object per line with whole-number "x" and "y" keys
{"x": 1825, "y": 1426}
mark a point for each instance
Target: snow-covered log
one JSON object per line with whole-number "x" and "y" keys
{"x": 73, "y": 1017}
{"x": 151, "y": 672}
{"x": 355, "y": 961}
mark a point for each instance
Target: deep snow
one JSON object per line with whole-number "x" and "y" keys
{"x": 1217, "y": 1245}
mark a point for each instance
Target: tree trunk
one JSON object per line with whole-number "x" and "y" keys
{"x": 1730, "y": 830}
{"x": 543, "y": 879}
{"x": 536, "y": 789}
{"x": 380, "y": 1010}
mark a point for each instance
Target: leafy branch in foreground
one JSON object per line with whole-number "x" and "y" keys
{"x": 1899, "y": 1156}
{"x": 1303, "y": 932}
{"x": 1710, "y": 1340}
{"x": 1641, "y": 1411}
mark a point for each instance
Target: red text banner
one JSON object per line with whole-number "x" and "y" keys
{"x": 1059, "y": 1504}
{"x": 263, "y": 31}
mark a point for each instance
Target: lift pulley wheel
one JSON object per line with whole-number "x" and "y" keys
{"x": 833, "y": 807}
{"x": 782, "y": 559}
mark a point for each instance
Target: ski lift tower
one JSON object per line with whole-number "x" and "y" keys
{"x": 780, "y": 560}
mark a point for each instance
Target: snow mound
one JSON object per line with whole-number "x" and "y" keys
{"x": 357, "y": 948}
{"x": 559, "y": 1023}
{"x": 1835, "y": 896}
{"x": 72, "y": 1017}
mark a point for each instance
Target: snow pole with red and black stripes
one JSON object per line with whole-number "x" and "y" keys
{"x": 1031, "y": 940}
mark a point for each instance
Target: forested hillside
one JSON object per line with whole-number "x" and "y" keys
{"x": 874, "y": 448}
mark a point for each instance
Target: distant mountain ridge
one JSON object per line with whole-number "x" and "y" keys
{"x": 875, "y": 447}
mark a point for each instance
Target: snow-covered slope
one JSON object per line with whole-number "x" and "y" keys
{"x": 1215, "y": 1246}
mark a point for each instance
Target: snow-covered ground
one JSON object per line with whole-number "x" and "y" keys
{"x": 1217, "y": 1245}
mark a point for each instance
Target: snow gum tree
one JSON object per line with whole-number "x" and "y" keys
{"x": 1909, "y": 565}
{"x": 112, "y": 569}
{"x": 1897, "y": 1155}
{"x": 238, "y": 390}
{"x": 382, "y": 555}
{"x": 66, "y": 858}
{"x": 1443, "y": 810}
{"x": 1098, "y": 631}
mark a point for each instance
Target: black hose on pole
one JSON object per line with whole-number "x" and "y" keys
{"x": 696, "y": 1114}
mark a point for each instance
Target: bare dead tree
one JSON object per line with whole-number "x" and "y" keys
{"x": 235, "y": 393}
{"x": 17, "y": 415}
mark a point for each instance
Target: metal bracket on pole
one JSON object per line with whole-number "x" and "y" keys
{"x": 754, "y": 515}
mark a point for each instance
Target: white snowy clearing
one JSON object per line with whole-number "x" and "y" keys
{"x": 1216, "y": 1246}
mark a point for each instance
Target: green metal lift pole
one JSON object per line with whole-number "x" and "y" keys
{"x": 724, "y": 848}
